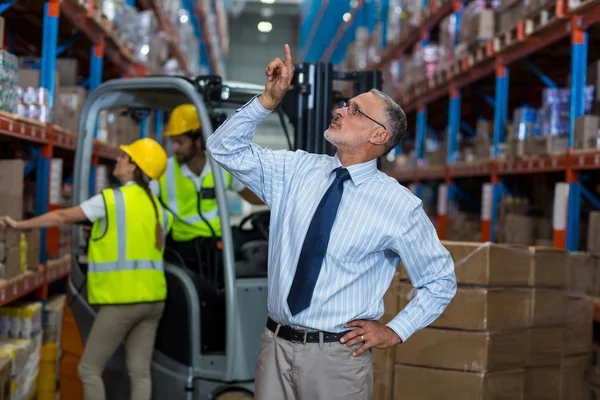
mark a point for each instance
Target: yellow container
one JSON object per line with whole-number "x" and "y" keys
{"x": 46, "y": 395}
{"x": 49, "y": 352}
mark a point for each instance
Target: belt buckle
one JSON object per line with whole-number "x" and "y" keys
{"x": 303, "y": 341}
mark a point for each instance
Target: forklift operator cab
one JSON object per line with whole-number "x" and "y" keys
{"x": 208, "y": 340}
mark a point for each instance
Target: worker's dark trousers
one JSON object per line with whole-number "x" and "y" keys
{"x": 201, "y": 255}
{"x": 136, "y": 325}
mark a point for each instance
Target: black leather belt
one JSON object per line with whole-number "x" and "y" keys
{"x": 298, "y": 335}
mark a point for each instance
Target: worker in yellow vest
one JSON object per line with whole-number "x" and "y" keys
{"x": 126, "y": 271}
{"x": 187, "y": 189}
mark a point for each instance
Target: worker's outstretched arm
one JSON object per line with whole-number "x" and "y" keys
{"x": 48, "y": 220}
{"x": 262, "y": 170}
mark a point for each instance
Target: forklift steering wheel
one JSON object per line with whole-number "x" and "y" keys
{"x": 260, "y": 222}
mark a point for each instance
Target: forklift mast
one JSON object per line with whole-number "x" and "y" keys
{"x": 309, "y": 102}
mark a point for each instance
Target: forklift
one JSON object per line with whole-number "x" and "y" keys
{"x": 208, "y": 339}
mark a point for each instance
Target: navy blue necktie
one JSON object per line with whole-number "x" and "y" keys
{"x": 315, "y": 245}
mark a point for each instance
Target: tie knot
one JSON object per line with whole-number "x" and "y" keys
{"x": 342, "y": 174}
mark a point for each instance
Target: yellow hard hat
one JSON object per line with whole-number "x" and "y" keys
{"x": 148, "y": 155}
{"x": 184, "y": 119}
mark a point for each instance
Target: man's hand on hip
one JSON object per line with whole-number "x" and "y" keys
{"x": 279, "y": 78}
{"x": 371, "y": 333}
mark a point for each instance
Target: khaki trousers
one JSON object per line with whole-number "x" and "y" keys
{"x": 136, "y": 324}
{"x": 312, "y": 371}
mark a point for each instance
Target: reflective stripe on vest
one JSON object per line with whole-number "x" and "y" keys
{"x": 122, "y": 276}
{"x": 180, "y": 195}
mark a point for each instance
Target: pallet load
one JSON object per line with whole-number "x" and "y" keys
{"x": 513, "y": 330}
{"x": 383, "y": 359}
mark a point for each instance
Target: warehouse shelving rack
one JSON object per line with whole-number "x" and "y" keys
{"x": 494, "y": 59}
{"x": 45, "y": 139}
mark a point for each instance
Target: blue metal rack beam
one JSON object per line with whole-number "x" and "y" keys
{"x": 159, "y": 117}
{"x": 420, "y": 145}
{"x": 144, "y": 127}
{"x": 501, "y": 109}
{"x": 96, "y": 65}
{"x": 487, "y": 98}
{"x": 49, "y": 48}
{"x": 579, "y": 49}
{"x": 60, "y": 49}
{"x": 539, "y": 73}
{"x": 453, "y": 126}
{"x": 6, "y": 6}
{"x": 589, "y": 196}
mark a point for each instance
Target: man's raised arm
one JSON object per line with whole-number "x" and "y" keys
{"x": 261, "y": 170}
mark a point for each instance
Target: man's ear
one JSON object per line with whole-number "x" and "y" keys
{"x": 380, "y": 137}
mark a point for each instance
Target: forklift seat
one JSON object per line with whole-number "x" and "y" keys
{"x": 173, "y": 335}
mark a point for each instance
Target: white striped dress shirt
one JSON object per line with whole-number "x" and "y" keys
{"x": 378, "y": 223}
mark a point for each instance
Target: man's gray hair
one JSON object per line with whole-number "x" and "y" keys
{"x": 395, "y": 120}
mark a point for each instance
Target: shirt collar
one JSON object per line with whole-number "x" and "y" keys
{"x": 358, "y": 172}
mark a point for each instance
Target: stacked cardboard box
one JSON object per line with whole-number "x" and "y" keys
{"x": 19, "y": 251}
{"x": 477, "y": 349}
{"x": 519, "y": 327}
{"x": 578, "y": 339}
{"x": 383, "y": 359}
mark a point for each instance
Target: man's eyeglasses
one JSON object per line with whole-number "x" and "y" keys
{"x": 353, "y": 110}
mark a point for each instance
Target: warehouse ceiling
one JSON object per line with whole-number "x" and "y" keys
{"x": 256, "y": 7}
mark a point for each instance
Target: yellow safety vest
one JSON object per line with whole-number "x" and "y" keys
{"x": 124, "y": 265}
{"x": 196, "y": 214}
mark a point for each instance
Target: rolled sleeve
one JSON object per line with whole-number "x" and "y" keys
{"x": 430, "y": 269}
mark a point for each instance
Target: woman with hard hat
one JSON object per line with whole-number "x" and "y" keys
{"x": 126, "y": 271}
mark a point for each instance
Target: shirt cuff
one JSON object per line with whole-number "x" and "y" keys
{"x": 256, "y": 110}
{"x": 402, "y": 326}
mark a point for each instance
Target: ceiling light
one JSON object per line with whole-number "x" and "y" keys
{"x": 347, "y": 17}
{"x": 267, "y": 1}
{"x": 266, "y": 12}
{"x": 353, "y": 3}
{"x": 265, "y": 26}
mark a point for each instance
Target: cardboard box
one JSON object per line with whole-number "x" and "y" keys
{"x": 586, "y": 132}
{"x": 574, "y": 380}
{"x": 548, "y": 267}
{"x": 542, "y": 383}
{"x": 582, "y": 271}
{"x": 578, "y": 338}
{"x": 31, "y": 77}
{"x": 593, "y": 236}
{"x": 481, "y": 26}
{"x": 13, "y": 266}
{"x": 595, "y": 365}
{"x": 68, "y": 106}
{"x": 418, "y": 383}
{"x": 519, "y": 229}
{"x": 484, "y": 128}
{"x": 33, "y": 250}
{"x": 545, "y": 347}
{"x": 11, "y": 188}
{"x": 383, "y": 373}
{"x": 548, "y": 307}
{"x": 489, "y": 264}
{"x": 482, "y": 309}
{"x": 465, "y": 350}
